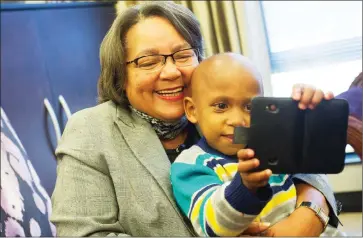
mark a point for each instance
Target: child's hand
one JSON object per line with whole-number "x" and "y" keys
{"x": 308, "y": 96}
{"x": 252, "y": 180}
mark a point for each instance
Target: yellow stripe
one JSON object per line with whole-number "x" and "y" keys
{"x": 212, "y": 222}
{"x": 220, "y": 171}
{"x": 278, "y": 199}
{"x": 231, "y": 169}
{"x": 225, "y": 172}
{"x": 196, "y": 208}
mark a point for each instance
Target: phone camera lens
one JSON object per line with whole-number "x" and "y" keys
{"x": 273, "y": 161}
{"x": 272, "y": 108}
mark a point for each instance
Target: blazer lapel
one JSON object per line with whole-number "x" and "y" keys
{"x": 146, "y": 147}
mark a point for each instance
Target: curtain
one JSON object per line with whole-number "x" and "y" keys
{"x": 221, "y": 23}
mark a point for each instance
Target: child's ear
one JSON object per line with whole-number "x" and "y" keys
{"x": 190, "y": 110}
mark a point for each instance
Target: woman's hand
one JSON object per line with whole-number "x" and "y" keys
{"x": 294, "y": 225}
{"x": 256, "y": 228}
{"x": 308, "y": 96}
{"x": 285, "y": 227}
{"x": 302, "y": 222}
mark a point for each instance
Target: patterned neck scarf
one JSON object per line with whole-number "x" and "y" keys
{"x": 164, "y": 130}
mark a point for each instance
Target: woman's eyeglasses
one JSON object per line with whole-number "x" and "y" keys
{"x": 153, "y": 63}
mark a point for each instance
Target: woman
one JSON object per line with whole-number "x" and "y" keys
{"x": 114, "y": 159}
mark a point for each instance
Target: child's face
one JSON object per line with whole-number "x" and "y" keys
{"x": 222, "y": 103}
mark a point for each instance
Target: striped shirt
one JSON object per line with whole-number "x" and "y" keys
{"x": 210, "y": 192}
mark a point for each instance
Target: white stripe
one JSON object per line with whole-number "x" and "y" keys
{"x": 282, "y": 182}
{"x": 190, "y": 155}
{"x": 200, "y": 197}
{"x": 226, "y": 214}
{"x": 196, "y": 223}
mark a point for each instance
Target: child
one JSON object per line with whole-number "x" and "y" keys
{"x": 213, "y": 189}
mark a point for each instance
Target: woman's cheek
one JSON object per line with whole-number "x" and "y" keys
{"x": 144, "y": 83}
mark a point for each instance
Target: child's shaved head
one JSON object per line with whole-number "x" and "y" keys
{"x": 222, "y": 66}
{"x": 222, "y": 88}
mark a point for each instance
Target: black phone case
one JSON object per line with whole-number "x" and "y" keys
{"x": 288, "y": 140}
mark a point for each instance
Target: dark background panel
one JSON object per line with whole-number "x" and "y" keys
{"x": 71, "y": 43}
{"x": 49, "y": 50}
{"x": 24, "y": 86}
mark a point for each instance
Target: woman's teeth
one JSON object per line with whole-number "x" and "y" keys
{"x": 170, "y": 94}
{"x": 174, "y": 92}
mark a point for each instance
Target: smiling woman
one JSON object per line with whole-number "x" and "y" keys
{"x": 121, "y": 150}
{"x": 148, "y": 88}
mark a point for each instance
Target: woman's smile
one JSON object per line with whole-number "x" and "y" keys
{"x": 172, "y": 94}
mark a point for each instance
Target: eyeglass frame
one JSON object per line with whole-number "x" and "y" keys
{"x": 135, "y": 61}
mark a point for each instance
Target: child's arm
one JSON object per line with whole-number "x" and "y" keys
{"x": 215, "y": 208}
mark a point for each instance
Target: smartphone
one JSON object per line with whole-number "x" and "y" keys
{"x": 288, "y": 140}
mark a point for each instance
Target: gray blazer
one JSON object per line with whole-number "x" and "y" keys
{"x": 113, "y": 178}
